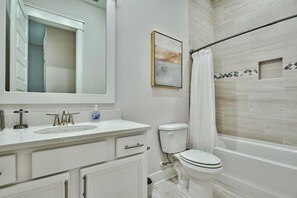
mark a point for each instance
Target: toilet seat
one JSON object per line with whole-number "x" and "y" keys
{"x": 201, "y": 159}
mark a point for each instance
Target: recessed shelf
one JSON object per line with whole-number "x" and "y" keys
{"x": 271, "y": 69}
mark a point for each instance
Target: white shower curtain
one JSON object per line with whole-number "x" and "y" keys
{"x": 202, "y": 124}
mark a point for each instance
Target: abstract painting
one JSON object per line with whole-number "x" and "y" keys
{"x": 166, "y": 61}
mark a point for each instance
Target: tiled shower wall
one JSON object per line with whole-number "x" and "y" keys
{"x": 247, "y": 106}
{"x": 201, "y": 23}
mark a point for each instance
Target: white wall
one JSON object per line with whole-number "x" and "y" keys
{"x": 60, "y": 60}
{"x": 134, "y": 94}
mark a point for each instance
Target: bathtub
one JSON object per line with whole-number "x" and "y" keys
{"x": 256, "y": 168}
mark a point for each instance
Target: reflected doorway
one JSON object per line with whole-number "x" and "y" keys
{"x": 51, "y": 59}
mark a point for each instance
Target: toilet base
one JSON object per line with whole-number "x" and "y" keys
{"x": 200, "y": 188}
{"x": 183, "y": 190}
{"x": 183, "y": 178}
{"x": 194, "y": 182}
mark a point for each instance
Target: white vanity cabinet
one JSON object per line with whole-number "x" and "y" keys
{"x": 51, "y": 161}
{"x": 108, "y": 163}
{"x": 120, "y": 178}
{"x": 7, "y": 169}
{"x": 49, "y": 187}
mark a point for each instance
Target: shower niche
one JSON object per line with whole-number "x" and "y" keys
{"x": 271, "y": 69}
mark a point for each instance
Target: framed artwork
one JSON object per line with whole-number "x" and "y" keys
{"x": 166, "y": 61}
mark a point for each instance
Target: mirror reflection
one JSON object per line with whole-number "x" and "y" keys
{"x": 54, "y": 54}
{"x": 51, "y": 59}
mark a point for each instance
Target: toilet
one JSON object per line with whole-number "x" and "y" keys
{"x": 194, "y": 168}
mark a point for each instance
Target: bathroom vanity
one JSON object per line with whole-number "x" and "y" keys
{"x": 106, "y": 160}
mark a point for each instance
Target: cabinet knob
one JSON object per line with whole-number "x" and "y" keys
{"x": 0, "y": 173}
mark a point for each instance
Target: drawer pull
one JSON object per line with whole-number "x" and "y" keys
{"x": 137, "y": 145}
{"x": 0, "y": 173}
{"x": 66, "y": 188}
{"x": 85, "y": 186}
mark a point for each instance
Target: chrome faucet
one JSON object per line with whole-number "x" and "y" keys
{"x": 70, "y": 117}
{"x": 66, "y": 118}
{"x": 56, "y": 119}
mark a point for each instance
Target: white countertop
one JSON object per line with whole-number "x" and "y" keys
{"x": 12, "y": 139}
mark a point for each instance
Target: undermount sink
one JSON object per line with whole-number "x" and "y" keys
{"x": 65, "y": 129}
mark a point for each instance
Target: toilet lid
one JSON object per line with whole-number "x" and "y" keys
{"x": 201, "y": 158}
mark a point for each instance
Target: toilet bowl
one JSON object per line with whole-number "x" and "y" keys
{"x": 194, "y": 168}
{"x": 201, "y": 168}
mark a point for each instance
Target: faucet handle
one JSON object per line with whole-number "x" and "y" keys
{"x": 56, "y": 120}
{"x": 74, "y": 113}
{"x": 70, "y": 118}
{"x": 65, "y": 117}
{"x": 65, "y": 112}
{"x": 21, "y": 111}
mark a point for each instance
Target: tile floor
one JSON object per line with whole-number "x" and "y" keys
{"x": 168, "y": 189}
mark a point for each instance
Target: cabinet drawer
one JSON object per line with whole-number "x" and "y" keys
{"x": 61, "y": 159}
{"x": 130, "y": 145}
{"x": 7, "y": 170}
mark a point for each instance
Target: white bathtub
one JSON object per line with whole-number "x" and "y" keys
{"x": 256, "y": 168}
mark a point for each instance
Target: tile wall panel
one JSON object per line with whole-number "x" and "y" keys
{"x": 290, "y": 81}
{"x": 245, "y": 124}
{"x": 246, "y": 106}
{"x": 259, "y": 86}
{"x": 263, "y": 109}
{"x": 289, "y": 7}
{"x": 282, "y": 128}
{"x": 232, "y": 103}
{"x": 201, "y": 23}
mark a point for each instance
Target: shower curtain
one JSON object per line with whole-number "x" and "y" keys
{"x": 202, "y": 124}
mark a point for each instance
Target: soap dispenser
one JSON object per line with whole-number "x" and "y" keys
{"x": 96, "y": 114}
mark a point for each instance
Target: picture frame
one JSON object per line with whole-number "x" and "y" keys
{"x": 167, "y": 61}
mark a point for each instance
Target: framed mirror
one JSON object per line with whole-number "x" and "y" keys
{"x": 57, "y": 51}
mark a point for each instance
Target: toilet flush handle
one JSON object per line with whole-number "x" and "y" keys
{"x": 170, "y": 133}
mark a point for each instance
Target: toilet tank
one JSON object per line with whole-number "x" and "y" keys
{"x": 173, "y": 137}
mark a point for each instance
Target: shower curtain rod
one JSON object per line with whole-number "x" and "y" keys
{"x": 245, "y": 32}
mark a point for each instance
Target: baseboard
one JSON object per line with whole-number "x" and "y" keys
{"x": 162, "y": 175}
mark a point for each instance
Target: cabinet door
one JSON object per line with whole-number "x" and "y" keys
{"x": 125, "y": 178}
{"x": 49, "y": 187}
